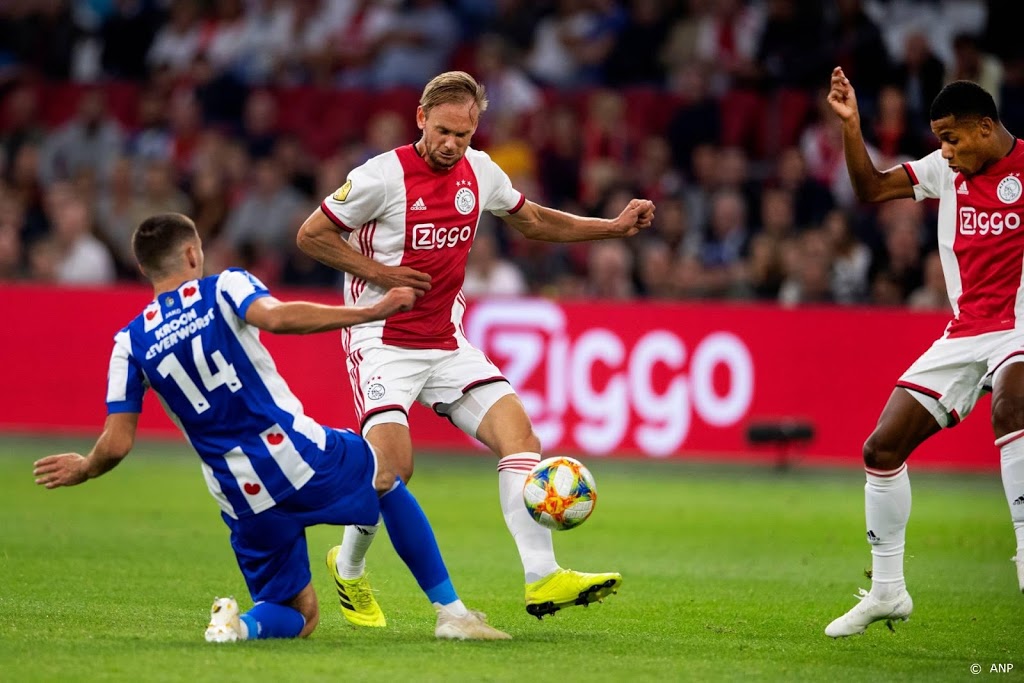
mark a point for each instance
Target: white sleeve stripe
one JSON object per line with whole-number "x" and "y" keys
{"x": 117, "y": 374}
{"x": 236, "y": 285}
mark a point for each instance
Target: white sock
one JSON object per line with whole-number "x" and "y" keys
{"x": 456, "y": 609}
{"x": 886, "y": 511}
{"x": 533, "y": 541}
{"x": 1011, "y": 452}
{"x": 351, "y": 561}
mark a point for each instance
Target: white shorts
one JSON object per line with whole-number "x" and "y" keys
{"x": 461, "y": 385}
{"x": 950, "y": 377}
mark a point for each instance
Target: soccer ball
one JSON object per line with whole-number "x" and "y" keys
{"x": 560, "y": 493}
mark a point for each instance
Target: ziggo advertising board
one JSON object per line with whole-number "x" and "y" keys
{"x": 604, "y": 379}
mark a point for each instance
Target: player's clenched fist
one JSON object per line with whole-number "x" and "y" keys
{"x": 397, "y": 299}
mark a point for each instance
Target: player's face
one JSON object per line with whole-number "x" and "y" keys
{"x": 965, "y": 143}
{"x": 447, "y": 132}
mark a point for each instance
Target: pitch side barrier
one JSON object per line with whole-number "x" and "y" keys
{"x": 601, "y": 379}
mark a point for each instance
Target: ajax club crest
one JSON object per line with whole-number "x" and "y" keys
{"x": 1008, "y": 190}
{"x": 465, "y": 200}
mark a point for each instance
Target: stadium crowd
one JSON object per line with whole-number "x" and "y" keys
{"x": 245, "y": 113}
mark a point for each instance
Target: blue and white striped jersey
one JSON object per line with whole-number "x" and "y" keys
{"x": 219, "y": 384}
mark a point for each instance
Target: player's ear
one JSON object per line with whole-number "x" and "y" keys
{"x": 421, "y": 118}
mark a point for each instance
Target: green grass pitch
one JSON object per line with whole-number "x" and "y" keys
{"x": 729, "y": 574}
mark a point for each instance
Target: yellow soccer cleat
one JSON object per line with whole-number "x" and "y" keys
{"x": 355, "y": 596}
{"x": 565, "y": 588}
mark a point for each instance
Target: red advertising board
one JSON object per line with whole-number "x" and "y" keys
{"x": 633, "y": 379}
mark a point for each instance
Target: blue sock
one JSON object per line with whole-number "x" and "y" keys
{"x": 414, "y": 541}
{"x": 268, "y": 620}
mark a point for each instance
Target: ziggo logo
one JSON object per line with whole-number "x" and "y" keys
{"x": 426, "y": 236}
{"x": 552, "y": 374}
{"x": 977, "y": 222}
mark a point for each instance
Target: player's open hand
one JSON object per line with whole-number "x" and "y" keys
{"x": 66, "y": 469}
{"x": 396, "y": 300}
{"x": 637, "y": 215}
{"x": 402, "y": 276}
{"x": 841, "y": 96}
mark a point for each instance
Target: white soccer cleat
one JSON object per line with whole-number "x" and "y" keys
{"x": 225, "y": 626}
{"x": 869, "y": 610}
{"x": 472, "y": 626}
{"x": 1019, "y": 561}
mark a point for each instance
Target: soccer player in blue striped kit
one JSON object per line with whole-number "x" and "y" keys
{"x": 272, "y": 470}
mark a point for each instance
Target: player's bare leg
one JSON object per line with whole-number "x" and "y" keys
{"x": 506, "y": 430}
{"x": 904, "y": 425}
{"x": 1008, "y": 425}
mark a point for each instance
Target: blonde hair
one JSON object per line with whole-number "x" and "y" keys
{"x": 453, "y": 87}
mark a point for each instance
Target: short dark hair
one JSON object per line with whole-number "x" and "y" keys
{"x": 158, "y": 237}
{"x": 963, "y": 100}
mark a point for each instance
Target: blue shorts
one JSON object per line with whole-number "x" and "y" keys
{"x": 271, "y": 546}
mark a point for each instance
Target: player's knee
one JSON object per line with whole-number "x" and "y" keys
{"x": 312, "y": 617}
{"x": 880, "y": 455}
{"x": 1007, "y": 414}
{"x": 387, "y": 473}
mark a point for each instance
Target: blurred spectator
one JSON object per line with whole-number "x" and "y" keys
{"x": 21, "y": 124}
{"x": 789, "y": 49}
{"x": 568, "y": 44}
{"x": 356, "y": 29}
{"x": 727, "y": 43}
{"x": 654, "y": 173}
{"x": 697, "y": 121}
{"x": 811, "y": 200}
{"x": 654, "y": 270}
{"x": 921, "y": 75}
{"x": 724, "y": 249}
{"x": 116, "y": 215}
{"x": 266, "y": 33}
{"x": 851, "y": 259}
{"x": 509, "y": 91}
{"x": 209, "y": 198}
{"x": 765, "y": 267}
{"x": 899, "y": 264}
{"x": 127, "y": 35}
{"x": 152, "y": 140}
{"x": 487, "y": 273}
{"x": 854, "y": 41}
{"x": 80, "y": 257}
{"x": 971, "y": 63}
{"x": 931, "y": 295}
{"x": 300, "y": 270}
{"x": 609, "y": 271}
{"x": 259, "y": 124}
{"x": 177, "y": 42}
{"x": 635, "y": 57}
{"x": 415, "y": 48}
{"x": 10, "y": 253}
{"x": 91, "y": 142}
{"x": 265, "y": 212}
{"x": 810, "y": 276}
{"x": 560, "y": 148}
{"x": 891, "y": 131}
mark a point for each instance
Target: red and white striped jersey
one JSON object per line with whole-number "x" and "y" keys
{"x": 399, "y": 211}
{"x": 981, "y": 243}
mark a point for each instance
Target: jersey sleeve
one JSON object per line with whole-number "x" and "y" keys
{"x": 126, "y": 383}
{"x": 241, "y": 288}
{"x": 361, "y": 199}
{"x": 928, "y": 175}
{"x": 503, "y": 199}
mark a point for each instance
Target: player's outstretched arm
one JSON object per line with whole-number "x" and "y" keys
{"x": 869, "y": 184}
{"x": 550, "y": 225}
{"x": 321, "y": 239}
{"x": 71, "y": 469}
{"x": 304, "y": 317}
